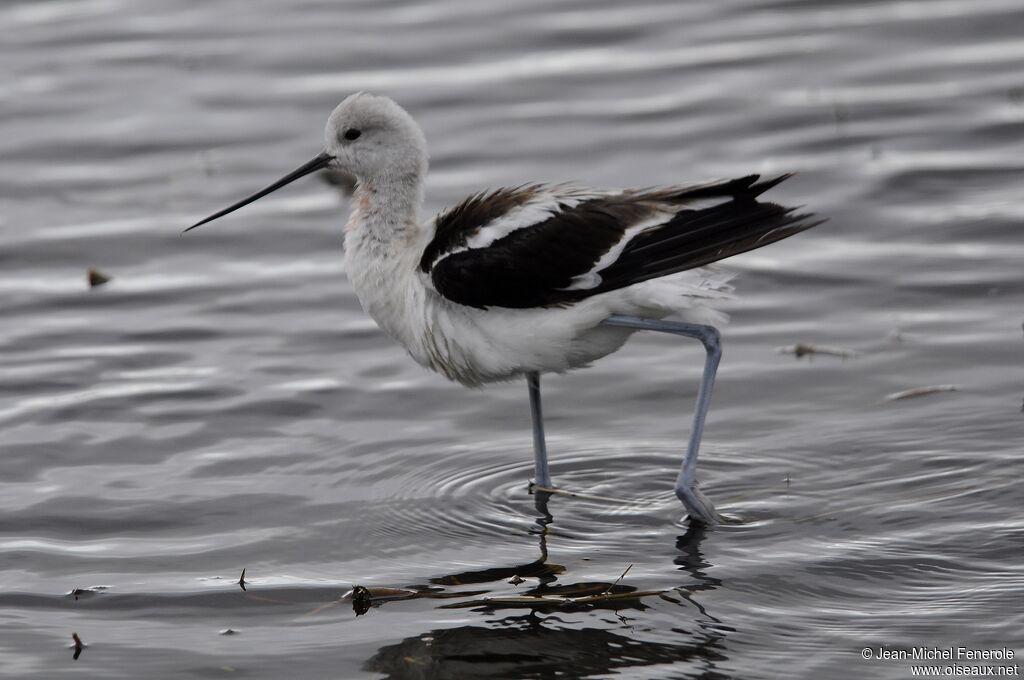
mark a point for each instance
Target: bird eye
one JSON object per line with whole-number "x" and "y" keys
{"x": 352, "y": 133}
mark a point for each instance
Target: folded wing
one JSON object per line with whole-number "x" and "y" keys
{"x": 536, "y": 246}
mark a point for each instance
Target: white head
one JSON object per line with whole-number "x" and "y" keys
{"x": 373, "y": 137}
{"x": 368, "y": 136}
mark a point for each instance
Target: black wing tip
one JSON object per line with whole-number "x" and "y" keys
{"x": 757, "y": 188}
{"x": 805, "y": 221}
{"x": 746, "y": 187}
{"x": 706, "y": 236}
{"x": 793, "y": 225}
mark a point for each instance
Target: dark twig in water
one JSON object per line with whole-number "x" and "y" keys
{"x": 551, "y": 601}
{"x": 536, "y": 488}
{"x": 79, "y": 646}
{"x": 621, "y": 576}
{"x": 802, "y": 349}
{"x": 625, "y": 620}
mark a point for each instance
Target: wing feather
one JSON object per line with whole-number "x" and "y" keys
{"x": 577, "y": 245}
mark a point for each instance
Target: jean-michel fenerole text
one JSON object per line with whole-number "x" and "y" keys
{"x": 945, "y": 653}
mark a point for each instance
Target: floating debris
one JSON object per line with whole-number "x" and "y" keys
{"x": 241, "y": 580}
{"x": 228, "y": 631}
{"x": 802, "y": 349}
{"x": 516, "y": 580}
{"x": 534, "y": 488}
{"x": 86, "y": 592}
{"x": 97, "y": 278}
{"x": 78, "y": 645}
{"x": 621, "y": 576}
{"x": 362, "y": 600}
{"x": 920, "y": 392}
{"x": 550, "y": 601}
{"x": 384, "y": 593}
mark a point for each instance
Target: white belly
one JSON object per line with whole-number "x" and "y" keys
{"x": 474, "y": 346}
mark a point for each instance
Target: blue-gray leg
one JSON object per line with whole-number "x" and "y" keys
{"x": 542, "y": 476}
{"x": 687, "y": 489}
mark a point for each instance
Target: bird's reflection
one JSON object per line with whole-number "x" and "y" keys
{"x": 540, "y": 568}
{"x": 552, "y": 642}
{"x": 691, "y": 560}
{"x": 532, "y": 646}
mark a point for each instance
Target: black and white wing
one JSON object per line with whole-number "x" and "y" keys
{"x": 535, "y": 246}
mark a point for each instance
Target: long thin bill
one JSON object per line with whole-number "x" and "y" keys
{"x": 317, "y": 163}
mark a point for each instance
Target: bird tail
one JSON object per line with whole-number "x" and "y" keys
{"x": 695, "y": 237}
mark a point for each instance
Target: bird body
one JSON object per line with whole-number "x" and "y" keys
{"x": 397, "y": 273}
{"x": 535, "y": 278}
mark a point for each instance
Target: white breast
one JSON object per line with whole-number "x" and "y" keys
{"x": 474, "y": 346}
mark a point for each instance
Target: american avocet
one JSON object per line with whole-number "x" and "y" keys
{"x": 537, "y": 278}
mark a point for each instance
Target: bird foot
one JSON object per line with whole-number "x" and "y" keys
{"x": 697, "y": 504}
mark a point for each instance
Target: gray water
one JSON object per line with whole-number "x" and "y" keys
{"x": 223, "y": 403}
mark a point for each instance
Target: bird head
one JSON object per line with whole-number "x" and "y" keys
{"x": 371, "y": 136}
{"x": 368, "y": 136}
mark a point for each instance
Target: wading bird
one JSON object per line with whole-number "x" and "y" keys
{"x": 536, "y": 278}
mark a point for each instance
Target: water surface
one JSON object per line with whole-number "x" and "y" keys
{"x": 224, "y": 403}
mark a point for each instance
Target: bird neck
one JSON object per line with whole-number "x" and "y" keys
{"x": 387, "y": 205}
{"x": 380, "y": 251}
